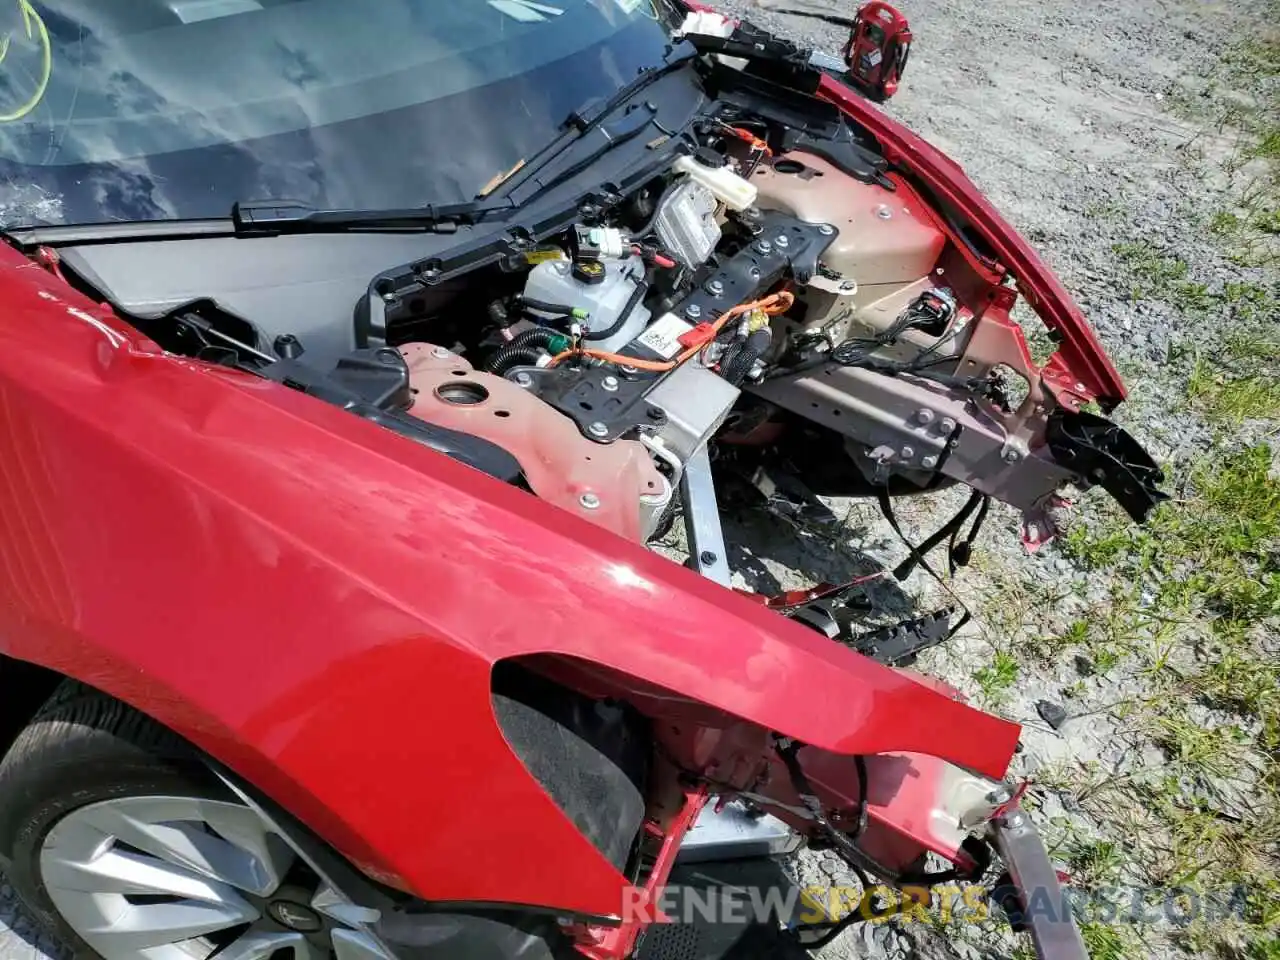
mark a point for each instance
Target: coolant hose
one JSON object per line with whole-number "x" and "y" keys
{"x": 629, "y": 308}
{"x": 559, "y": 309}
{"x": 523, "y": 350}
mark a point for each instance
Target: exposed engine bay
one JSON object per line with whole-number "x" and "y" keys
{"x": 772, "y": 293}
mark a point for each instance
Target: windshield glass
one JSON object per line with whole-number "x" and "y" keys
{"x": 133, "y": 110}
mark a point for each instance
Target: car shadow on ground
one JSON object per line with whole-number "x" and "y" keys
{"x": 774, "y": 552}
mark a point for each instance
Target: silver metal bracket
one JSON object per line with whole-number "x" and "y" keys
{"x": 702, "y": 520}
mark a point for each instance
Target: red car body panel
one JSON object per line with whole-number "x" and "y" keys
{"x": 318, "y": 603}
{"x": 1080, "y": 368}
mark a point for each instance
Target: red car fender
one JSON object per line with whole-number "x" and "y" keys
{"x": 318, "y": 603}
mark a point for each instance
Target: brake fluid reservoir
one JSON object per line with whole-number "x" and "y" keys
{"x": 730, "y": 189}
{"x": 605, "y": 301}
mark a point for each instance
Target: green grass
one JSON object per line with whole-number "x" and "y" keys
{"x": 998, "y": 679}
{"x": 1195, "y": 604}
{"x": 1212, "y": 561}
{"x": 1108, "y": 942}
{"x": 1227, "y": 400}
{"x": 1095, "y": 863}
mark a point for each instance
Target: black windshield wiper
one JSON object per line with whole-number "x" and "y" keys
{"x": 274, "y": 217}
{"x": 587, "y": 118}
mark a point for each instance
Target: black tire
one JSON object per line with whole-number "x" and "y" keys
{"x": 82, "y": 748}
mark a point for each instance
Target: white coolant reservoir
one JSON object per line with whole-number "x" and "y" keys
{"x": 730, "y": 189}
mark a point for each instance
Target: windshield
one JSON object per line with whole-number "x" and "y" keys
{"x": 132, "y": 110}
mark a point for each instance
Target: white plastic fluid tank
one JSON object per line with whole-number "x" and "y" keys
{"x": 554, "y": 282}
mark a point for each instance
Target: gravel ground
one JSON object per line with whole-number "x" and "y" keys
{"x": 1085, "y": 123}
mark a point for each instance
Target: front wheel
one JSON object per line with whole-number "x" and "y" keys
{"x": 126, "y": 847}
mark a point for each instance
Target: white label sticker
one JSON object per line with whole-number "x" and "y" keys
{"x": 663, "y": 338}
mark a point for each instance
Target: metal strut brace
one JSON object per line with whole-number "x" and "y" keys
{"x": 702, "y": 520}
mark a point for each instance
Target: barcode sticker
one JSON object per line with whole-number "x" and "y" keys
{"x": 663, "y": 337}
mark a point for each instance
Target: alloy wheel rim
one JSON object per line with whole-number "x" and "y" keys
{"x": 184, "y": 878}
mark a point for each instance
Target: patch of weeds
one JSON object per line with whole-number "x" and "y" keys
{"x": 1208, "y": 751}
{"x": 1095, "y": 863}
{"x": 1216, "y": 547}
{"x": 1107, "y": 941}
{"x": 1158, "y": 274}
{"x": 1268, "y": 949}
{"x": 1233, "y": 401}
{"x": 998, "y": 679}
{"x": 1259, "y": 309}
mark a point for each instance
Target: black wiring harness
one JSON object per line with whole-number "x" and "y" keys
{"x": 846, "y": 845}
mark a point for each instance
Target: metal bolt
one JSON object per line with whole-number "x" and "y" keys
{"x": 946, "y": 425}
{"x": 707, "y": 557}
{"x": 715, "y": 288}
{"x": 1015, "y": 820}
{"x": 440, "y": 353}
{"x": 627, "y": 370}
{"x": 755, "y": 273}
{"x": 523, "y": 380}
{"x": 389, "y": 297}
{"x": 924, "y": 416}
{"x": 693, "y": 311}
{"x": 764, "y": 246}
{"x": 929, "y": 462}
{"x": 610, "y": 383}
{"x": 908, "y": 453}
{"x": 590, "y": 501}
{"x": 598, "y": 429}
{"x": 782, "y": 241}
{"x": 1012, "y": 455}
{"x": 999, "y": 795}
{"x": 884, "y": 213}
{"x": 826, "y": 229}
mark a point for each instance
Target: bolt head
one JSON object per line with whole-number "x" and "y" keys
{"x": 999, "y": 795}
{"x": 715, "y": 288}
{"x": 523, "y": 380}
{"x": 884, "y": 213}
{"x": 764, "y": 246}
{"x": 826, "y": 229}
{"x": 598, "y": 429}
{"x": 440, "y": 353}
{"x": 908, "y": 453}
{"x": 609, "y": 383}
{"x": 782, "y": 241}
{"x": 946, "y": 425}
{"x": 589, "y": 501}
{"x": 1012, "y": 456}
{"x": 389, "y": 297}
{"x": 924, "y": 416}
{"x": 929, "y": 462}
{"x": 693, "y": 311}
